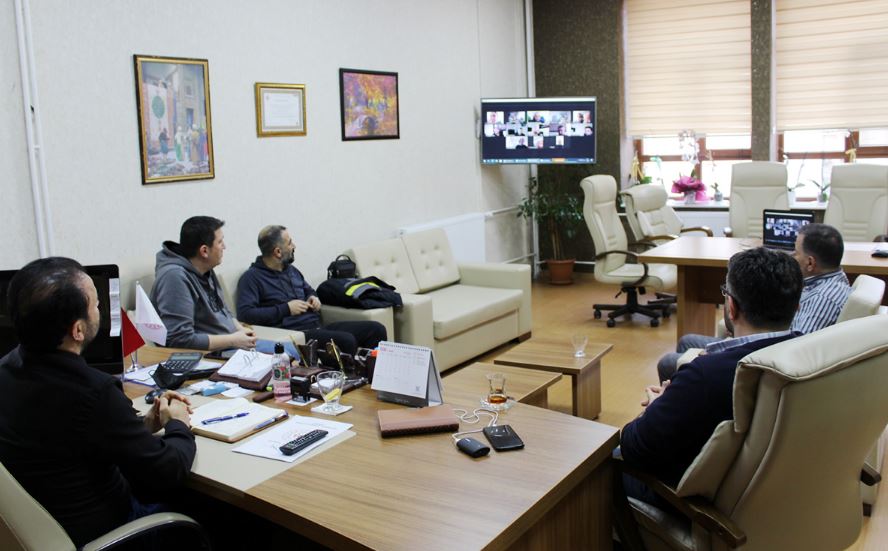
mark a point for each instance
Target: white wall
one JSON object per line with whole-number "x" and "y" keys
{"x": 18, "y": 234}
{"x": 331, "y": 194}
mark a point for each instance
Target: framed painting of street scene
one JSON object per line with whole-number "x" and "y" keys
{"x": 175, "y": 130}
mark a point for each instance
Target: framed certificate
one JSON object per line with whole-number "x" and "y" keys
{"x": 280, "y": 109}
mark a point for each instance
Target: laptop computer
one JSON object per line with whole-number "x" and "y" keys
{"x": 781, "y": 227}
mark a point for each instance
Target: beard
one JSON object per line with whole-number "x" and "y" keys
{"x": 288, "y": 258}
{"x": 92, "y": 329}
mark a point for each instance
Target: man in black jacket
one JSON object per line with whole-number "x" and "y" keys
{"x": 761, "y": 297}
{"x": 68, "y": 433}
{"x": 273, "y": 292}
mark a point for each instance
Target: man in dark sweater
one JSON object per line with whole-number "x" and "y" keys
{"x": 273, "y": 292}
{"x": 68, "y": 433}
{"x": 761, "y": 297}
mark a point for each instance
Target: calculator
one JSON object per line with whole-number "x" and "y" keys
{"x": 182, "y": 362}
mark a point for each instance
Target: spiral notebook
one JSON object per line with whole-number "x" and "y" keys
{"x": 232, "y": 420}
{"x": 407, "y": 374}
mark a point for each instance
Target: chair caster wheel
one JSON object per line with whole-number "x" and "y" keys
{"x": 611, "y": 322}
{"x": 597, "y": 314}
{"x": 655, "y": 322}
{"x": 666, "y": 314}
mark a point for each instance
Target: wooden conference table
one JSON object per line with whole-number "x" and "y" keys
{"x": 420, "y": 492}
{"x": 702, "y": 266}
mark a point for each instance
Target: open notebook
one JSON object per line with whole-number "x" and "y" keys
{"x": 228, "y": 424}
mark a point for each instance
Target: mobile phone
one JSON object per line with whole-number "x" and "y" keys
{"x": 503, "y": 438}
{"x": 221, "y": 354}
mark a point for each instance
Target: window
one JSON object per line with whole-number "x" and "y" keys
{"x": 810, "y": 154}
{"x": 664, "y": 160}
{"x": 687, "y": 66}
{"x": 830, "y": 64}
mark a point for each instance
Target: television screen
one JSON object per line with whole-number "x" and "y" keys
{"x": 538, "y": 130}
{"x": 105, "y": 352}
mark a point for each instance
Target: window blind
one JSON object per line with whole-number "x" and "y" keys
{"x": 831, "y": 64}
{"x": 688, "y": 67}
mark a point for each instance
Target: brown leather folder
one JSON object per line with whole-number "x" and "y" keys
{"x": 400, "y": 422}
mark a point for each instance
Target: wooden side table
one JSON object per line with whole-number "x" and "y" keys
{"x": 528, "y": 386}
{"x": 558, "y": 356}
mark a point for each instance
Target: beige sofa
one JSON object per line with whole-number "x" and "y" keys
{"x": 458, "y": 310}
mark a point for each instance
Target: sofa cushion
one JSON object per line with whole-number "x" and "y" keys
{"x": 431, "y": 258}
{"x": 458, "y": 308}
{"x": 388, "y": 261}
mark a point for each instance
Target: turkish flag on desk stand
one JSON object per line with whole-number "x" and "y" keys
{"x": 132, "y": 340}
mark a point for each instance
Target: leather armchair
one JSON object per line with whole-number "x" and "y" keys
{"x": 755, "y": 186}
{"x": 25, "y": 525}
{"x": 650, "y": 218}
{"x": 858, "y": 201}
{"x": 600, "y": 212}
{"x": 784, "y": 473}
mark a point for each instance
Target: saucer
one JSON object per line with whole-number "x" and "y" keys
{"x": 497, "y": 407}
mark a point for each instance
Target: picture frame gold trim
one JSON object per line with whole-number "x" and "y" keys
{"x": 174, "y": 117}
{"x": 296, "y": 91}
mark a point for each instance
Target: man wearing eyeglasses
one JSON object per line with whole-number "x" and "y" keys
{"x": 818, "y": 251}
{"x": 762, "y": 294}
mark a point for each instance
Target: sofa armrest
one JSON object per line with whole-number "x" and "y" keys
{"x": 276, "y": 334}
{"x": 414, "y": 322}
{"x": 385, "y": 316}
{"x": 503, "y": 276}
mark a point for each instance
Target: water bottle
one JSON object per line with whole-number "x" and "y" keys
{"x": 281, "y": 374}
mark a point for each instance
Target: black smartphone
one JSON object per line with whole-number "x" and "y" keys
{"x": 224, "y": 354}
{"x": 503, "y": 438}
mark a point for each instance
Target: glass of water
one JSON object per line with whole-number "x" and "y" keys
{"x": 579, "y": 343}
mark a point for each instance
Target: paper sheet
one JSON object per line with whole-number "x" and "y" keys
{"x": 114, "y": 304}
{"x": 266, "y": 444}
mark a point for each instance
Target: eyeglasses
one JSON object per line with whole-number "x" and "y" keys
{"x": 726, "y": 293}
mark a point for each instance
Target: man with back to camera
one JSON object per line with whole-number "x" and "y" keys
{"x": 68, "y": 434}
{"x": 762, "y": 292}
{"x": 187, "y": 294}
{"x": 273, "y": 292}
{"x": 818, "y": 251}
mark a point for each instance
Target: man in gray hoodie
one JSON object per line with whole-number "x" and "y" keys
{"x": 186, "y": 292}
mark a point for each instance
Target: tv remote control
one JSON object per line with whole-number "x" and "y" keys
{"x": 302, "y": 442}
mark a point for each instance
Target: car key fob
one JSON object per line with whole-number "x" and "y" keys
{"x": 472, "y": 447}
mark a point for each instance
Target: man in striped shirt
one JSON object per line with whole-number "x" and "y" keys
{"x": 818, "y": 250}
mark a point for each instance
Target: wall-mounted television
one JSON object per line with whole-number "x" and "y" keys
{"x": 538, "y": 130}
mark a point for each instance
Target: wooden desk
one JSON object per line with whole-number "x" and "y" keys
{"x": 558, "y": 356}
{"x": 528, "y": 386}
{"x": 702, "y": 267}
{"x": 420, "y": 492}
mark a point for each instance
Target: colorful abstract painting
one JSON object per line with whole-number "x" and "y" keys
{"x": 369, "y": 104}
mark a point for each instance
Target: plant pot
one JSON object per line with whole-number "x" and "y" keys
{"x": 560, "y": 271}
{"x": 718, "y": 197}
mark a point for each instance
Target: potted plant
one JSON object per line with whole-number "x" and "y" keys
{"x": 559, "y": 215}
{"x": 822, "y": 196}
{"x": 717, "y": 196}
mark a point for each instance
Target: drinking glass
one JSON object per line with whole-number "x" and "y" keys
{"x": 579, "y": 345}
{"x": 330, "y": 388}
{"x": 496, "y": 394}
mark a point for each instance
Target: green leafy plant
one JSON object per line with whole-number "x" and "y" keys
{"x": 821, "y": 190}
{"x": 558, "y": 212}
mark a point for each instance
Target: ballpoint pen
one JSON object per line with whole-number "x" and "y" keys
{"x": 225, "y": 418}
{"x": 273, "y": 420}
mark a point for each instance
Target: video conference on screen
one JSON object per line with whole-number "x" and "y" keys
{"x": 537, "y": 129}
{"x": 784, "y": 227}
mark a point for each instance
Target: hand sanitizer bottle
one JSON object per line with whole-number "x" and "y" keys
{"x": 281, "y": 374}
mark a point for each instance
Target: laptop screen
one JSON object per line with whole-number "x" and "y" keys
{"x": 105, "y": 352}
{"x": 781, "y": 227}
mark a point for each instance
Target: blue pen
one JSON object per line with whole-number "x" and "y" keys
{"x": 226, "y": 418}
{"x": 272, "y": 420}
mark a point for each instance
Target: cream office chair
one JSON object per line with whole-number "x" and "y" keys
{"x": 784, "y": 473}
{"x": 25, "y": 525}
{"x": 600, "y": 212}
{"x": 650, "y": 218}
{"x": 755, "y": 186}
{"x": 858, "y": 201}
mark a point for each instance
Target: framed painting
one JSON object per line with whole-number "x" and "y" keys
{"x": 280, "y": 109}
{"x": 175, "y": 127}
{"x": 369, "y": 104}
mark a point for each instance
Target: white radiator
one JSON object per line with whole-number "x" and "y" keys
{"x": 465, "y": 232}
